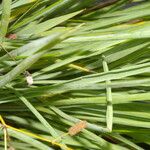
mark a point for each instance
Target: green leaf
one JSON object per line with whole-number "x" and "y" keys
{"x": 25, "y": 64}
{"x": 41, "y": 27}
{"x": 6, "y": 10}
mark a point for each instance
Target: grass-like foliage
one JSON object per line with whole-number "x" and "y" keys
{"x": 75, "y": 75}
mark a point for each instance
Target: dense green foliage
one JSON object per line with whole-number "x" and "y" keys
{"x": 80, "y": 60}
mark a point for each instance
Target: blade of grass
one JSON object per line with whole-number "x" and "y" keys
{"x": 35, "y": 112}
{"x": 109, "y": 111}
{"x": 47, "y": 24}
{"x": 26, "y": 63}
{"x": 6, "y": 10}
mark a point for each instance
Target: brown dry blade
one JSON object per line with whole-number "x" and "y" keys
{"x": 12, "y": 36}
{"x": 100, "y": 6}
{"x": 78, "y": 127}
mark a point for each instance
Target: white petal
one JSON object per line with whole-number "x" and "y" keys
{"x": 29, "y": 80}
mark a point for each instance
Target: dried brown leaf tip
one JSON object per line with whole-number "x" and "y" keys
{"x": 12, "y": 36}
{"x": 78, "y": 127}
{"x": 134, "y": 21}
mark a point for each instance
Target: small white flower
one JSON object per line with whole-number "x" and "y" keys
{"x": 29, "y": 79}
